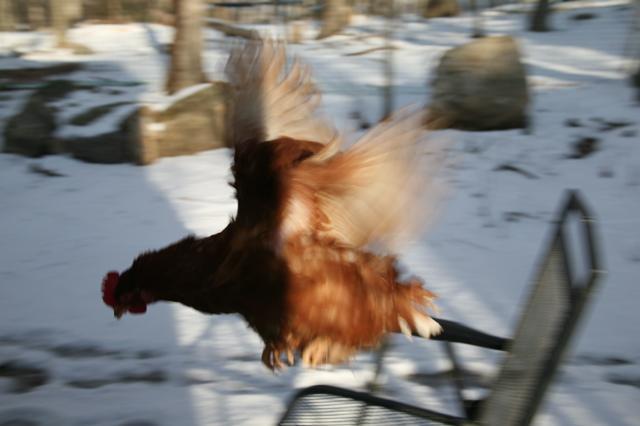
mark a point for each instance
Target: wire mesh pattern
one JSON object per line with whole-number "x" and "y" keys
{"x": 549, "y": 319}
{"x": 326, "y": 405}
{"x": 542, "y": 322}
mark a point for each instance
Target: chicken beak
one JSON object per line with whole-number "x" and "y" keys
{"x": 119, "y": 311}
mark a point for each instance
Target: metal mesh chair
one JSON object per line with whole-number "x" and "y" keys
{"x": 557, "y": 300}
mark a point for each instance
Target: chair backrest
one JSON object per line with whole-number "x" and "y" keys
{"x": 548, "y": 321}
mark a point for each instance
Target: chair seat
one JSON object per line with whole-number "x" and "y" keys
{"x": 329, "y": 405}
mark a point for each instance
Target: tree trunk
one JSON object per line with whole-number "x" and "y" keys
{"x": 387, "y": 94}
{"x": 114, "y": 10}
{"x": 59, "y": 21}
{"x": 186, "y": 52}
{"x": 162, "y": 12}
{"x": 539, "y": 17}
{"x": 7, "y": 16}
{"x": 478, "y": 27}
{"x": 335, "y": 17}
{"x": 7, "y": 21}
{"x": 36, "y": 15}
{"x": 635, "y": 81}
{"x": 376, "y": 7}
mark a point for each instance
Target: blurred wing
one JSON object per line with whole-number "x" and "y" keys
{"x": 380, "y": 192}
{"x": 268, "y": 101}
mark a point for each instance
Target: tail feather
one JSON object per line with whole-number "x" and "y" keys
{"x": 426, "y": 326}
{"x": 412, "y": 304}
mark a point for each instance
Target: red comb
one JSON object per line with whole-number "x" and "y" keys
{"x": 109, "y": 284}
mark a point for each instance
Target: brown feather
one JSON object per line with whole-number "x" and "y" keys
{"x": 381, "y": 192}
{"x": 343, "y": 300}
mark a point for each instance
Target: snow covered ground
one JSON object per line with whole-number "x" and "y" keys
{"x": 65, "y": 360}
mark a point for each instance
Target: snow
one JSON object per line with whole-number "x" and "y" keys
{"x": 175, "y": 366}
{"x": 181, "y": 94}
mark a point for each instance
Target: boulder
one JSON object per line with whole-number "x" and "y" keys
{"x": 118, "y": 146}
{"x": 190, "y": 124}
{"x": 481, "y": 85}
{"x": 441, "y": 8}
{"x": 30, "y": 132}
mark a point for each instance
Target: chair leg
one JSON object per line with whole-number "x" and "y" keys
{"x": 457, "y": 374}
{"x": 374, "y": 385}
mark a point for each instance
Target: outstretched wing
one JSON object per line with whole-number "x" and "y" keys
{"x": 269, "y": 99}
{"x": 380, "y": 192}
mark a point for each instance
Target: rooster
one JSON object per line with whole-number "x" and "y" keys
{"x": 307, "y": 259}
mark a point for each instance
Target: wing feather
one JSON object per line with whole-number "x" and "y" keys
{"x": 379, "y": 193}
{"x": 268, "y": 101}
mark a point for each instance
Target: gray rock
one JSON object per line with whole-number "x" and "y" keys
{"x": 481, "y": 85}
{"x": 192, "y": 124}
{"x": 30, "y": 132}
{"x": 93, "y": 114}
{"x": 107, "y": 148}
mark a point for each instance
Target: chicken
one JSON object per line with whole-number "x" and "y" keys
{"x": 307, "y": 259}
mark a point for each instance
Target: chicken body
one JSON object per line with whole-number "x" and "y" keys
{"x": 315, "y": 295}
{"x": 296, "y": 262}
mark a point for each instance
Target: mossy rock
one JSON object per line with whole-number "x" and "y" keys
{"x": 91, "y": 115}
{"x": 118, "y": 146}
{"x": 30, "y": 132}
{"x": 191, "y": 124}
{"x": 481, "y": 85}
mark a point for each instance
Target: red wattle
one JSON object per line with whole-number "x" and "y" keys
{"x": 109, "y": 284}
{"x": 137, "y": 309}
